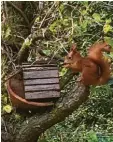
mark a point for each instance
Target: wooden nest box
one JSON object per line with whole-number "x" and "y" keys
{"x": 35, "y": 86}
{"x": 41, "y": 81}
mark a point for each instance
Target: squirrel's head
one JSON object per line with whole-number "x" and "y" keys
{"x": 73, "y": 51}
{"x": 71, "y": 57}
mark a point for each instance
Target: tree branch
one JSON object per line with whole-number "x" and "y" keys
{"x": 36, "y": 125}
{"x": 48, "y": 12}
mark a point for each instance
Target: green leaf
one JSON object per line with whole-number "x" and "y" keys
{"x": 27, "y": 43}
{"x": 63, "y": 71}
{"x": 92, "y": 136}
{"x": 53, "y": 26}
{"x": 8, "y": 31}
{"x": 37, "y": 19}
{"x": 108, "y": 21}
{"x": 97, "y": 17}
{"x": 85, "y": 3}
{"x": 61, "y": 8}
{"x": 5, "y": 100}
{"x": 7, "y": 108}
{"x": 47, "y": 52}
{"x": 83, "y": 12}
{"x": 65, "y": 22}
{"x": 17, "y": 117}
{"x": 109, "y": 40}
{"x": 107, "y": 28}
{"x": 111, "y": 55}
{"x": 84, "y": 24}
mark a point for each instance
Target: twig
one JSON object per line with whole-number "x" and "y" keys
{"x": 6, "y": 50}
{"x": 72, "y": 19}
{"x": 63, "y": 48}
{"x": 21, "y": 13}
{"x": 33, "y": 3}
{"x": 48, "y": 12}
{"x": 49, "y": 56}
{"x": 4, "y": 125}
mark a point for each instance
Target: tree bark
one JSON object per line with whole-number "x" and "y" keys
{"x": 36, "y": 125}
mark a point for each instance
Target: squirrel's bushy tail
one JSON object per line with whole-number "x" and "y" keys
{"x": 96, "y": 55}
{"x": 105, "y": 72}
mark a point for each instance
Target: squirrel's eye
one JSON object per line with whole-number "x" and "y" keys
{"x": 70, "y": 57}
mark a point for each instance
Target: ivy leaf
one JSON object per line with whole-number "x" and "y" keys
{"x": 7, "y": 108}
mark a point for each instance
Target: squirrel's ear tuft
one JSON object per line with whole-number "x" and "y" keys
{"x": 73, "y": 47}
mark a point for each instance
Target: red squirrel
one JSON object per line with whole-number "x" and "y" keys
{"x": 95, "y": 70}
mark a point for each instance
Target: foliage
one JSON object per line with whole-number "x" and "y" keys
{"x": 62, "y": 23}
{"x": 93, "y": 117}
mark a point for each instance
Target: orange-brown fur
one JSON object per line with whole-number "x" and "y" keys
{"x": 94, "y": 68}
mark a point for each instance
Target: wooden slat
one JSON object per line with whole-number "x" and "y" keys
{"x": 39, "y": 68}
{"x": 41, "y": 81}
{"x": 41, "y": 87}
{"x": 40, "y": 74}
{"x": 40, "y": 65}
{"x": 42, "y": 95}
